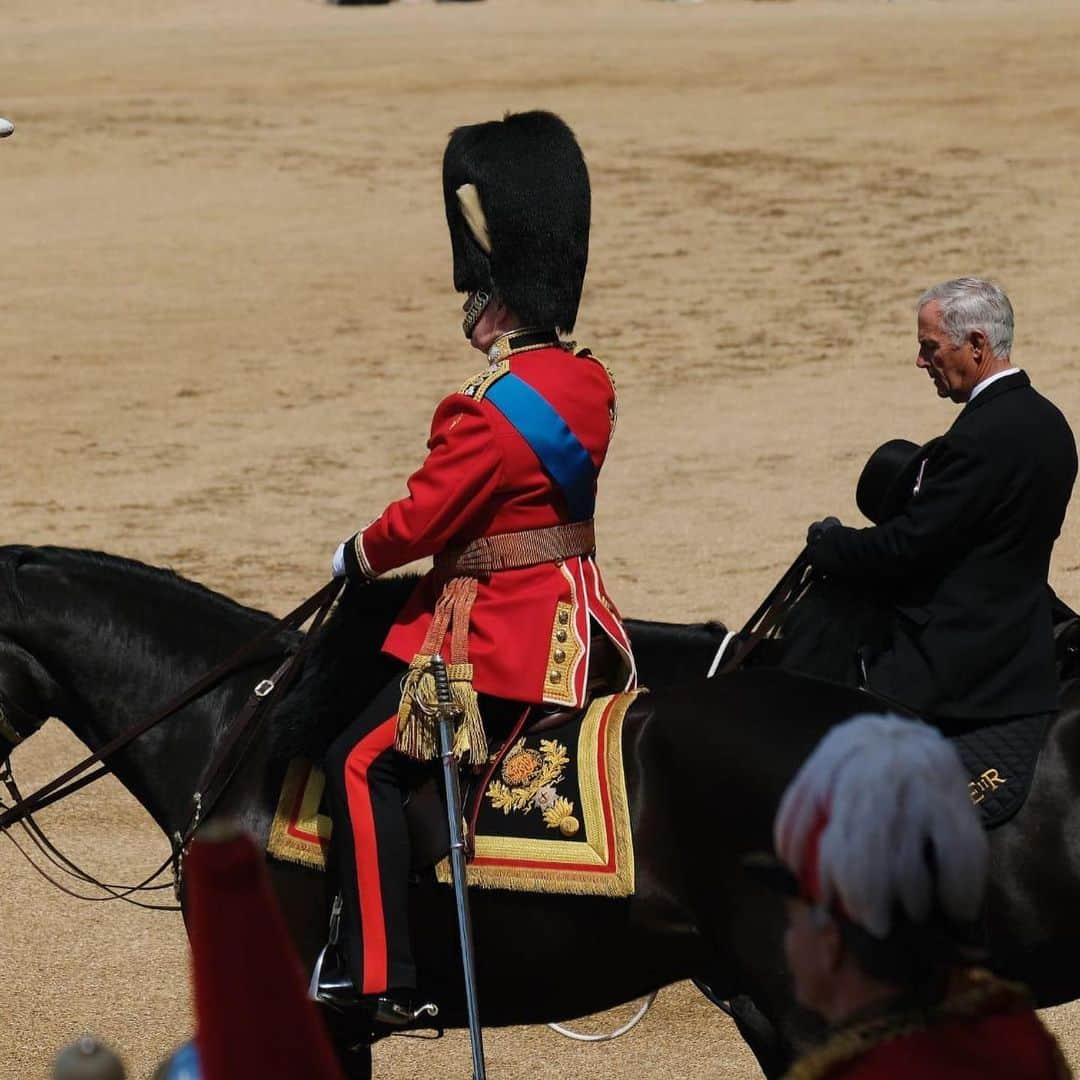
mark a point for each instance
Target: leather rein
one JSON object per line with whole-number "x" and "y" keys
{"x": 767, "y": 620}
{"x": 216, "y": 776}
{"x": 220, "y": 770}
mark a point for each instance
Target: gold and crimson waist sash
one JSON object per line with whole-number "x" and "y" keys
{"x": 458, "y": 569}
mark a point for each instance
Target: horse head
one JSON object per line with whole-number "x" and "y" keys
{"x": 99, "y": 642}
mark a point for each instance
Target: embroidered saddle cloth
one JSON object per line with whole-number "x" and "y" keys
{"x": 1000, "y": 764}
{"x": 553, "y": 817}
{"x": 300, "y": 831}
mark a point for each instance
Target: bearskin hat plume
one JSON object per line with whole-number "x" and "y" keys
{"x": 518, "y": 205}
{"x": 884, "y": 801}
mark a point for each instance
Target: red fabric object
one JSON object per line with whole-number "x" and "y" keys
{"x": 985, "y": 1029}
{"x": 481, "y": 478}
{"x": 366, "y": 840}
{"x": 809, "y": 868}
{"x": 254, "y": 1018}
{"x": 1012, "y": 1047}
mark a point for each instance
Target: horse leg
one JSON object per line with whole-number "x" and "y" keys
{"x": 352, "y": 1043}
{"x": 1034, "y": 889}
{"x": 356, "y": 1063}
{"x": 757, "y": 1031}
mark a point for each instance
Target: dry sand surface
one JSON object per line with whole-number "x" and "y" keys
{"x": 227, "y": 314}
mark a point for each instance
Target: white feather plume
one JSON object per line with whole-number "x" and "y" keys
{"x": 891, "y": 788}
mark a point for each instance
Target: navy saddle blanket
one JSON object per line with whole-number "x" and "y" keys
{"x": 1000, "y": 764}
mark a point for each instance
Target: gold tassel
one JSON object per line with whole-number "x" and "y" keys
{"x": 470, "y": 737}
{"x": 417, "y": 733}
{"x": 418, "y": 715}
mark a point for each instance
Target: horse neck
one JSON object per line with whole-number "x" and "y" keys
{"x": 120, "y": 651}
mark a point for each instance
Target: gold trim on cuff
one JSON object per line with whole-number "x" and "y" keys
{"x": 361, "y": 557}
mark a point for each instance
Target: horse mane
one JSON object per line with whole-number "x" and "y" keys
{"x": 13, "y": 557}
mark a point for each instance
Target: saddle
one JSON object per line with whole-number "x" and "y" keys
{"x": 826, "y": 636}
{"x": 1000, "y": 761}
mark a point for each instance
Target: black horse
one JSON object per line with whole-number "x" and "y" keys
{"x": 100, "y": 642}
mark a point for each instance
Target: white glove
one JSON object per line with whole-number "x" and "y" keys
{"x": 337, "y": 563}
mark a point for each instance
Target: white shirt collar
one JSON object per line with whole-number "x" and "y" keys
{"x": 980, "y": 387}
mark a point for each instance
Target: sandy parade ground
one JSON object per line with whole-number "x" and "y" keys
{"x": 226, "y": 315}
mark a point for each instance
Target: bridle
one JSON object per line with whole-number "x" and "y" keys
{"x": 212, "y": 784}
{"x": 16, "y": 726}
{"x": 62, "y": 863}
{"x": 10, "y": 714}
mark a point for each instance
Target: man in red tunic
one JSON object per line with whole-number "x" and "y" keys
{"x": 515, "y": 603}
{"x": 884, "y": 862}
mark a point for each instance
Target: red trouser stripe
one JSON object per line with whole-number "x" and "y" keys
{"x": 358, "y": 795}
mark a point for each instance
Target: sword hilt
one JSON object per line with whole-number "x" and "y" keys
{"x": 442, "y": 684}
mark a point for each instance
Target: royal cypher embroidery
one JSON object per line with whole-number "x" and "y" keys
{"x": 529, "y": 779}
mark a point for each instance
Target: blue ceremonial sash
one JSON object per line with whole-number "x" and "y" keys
{"x": 561, "y": 454}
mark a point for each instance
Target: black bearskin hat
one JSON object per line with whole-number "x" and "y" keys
{"x": 517, "y": 203}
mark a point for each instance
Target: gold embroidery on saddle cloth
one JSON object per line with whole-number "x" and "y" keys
{"x": 529, "y": 782}
{"x": 984, "y": 784}
{"x": 599, "y": 861}
{"x": 299, "y": 833}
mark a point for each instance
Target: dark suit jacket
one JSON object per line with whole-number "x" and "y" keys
{"x": 966, "y": 562}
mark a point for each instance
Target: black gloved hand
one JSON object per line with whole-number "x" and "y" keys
{"x": 819, "y": 528}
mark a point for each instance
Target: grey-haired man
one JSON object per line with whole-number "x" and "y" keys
{"x": 966, "y": 558}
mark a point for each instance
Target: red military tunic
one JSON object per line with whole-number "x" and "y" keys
{"x": 529, "y": 630}
{"x": 985, "y": 1029}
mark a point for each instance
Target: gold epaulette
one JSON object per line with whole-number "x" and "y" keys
{"x": 478, "y": 385}
{"x": 588, "y": 354}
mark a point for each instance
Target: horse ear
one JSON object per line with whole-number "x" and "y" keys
{"x": 26, "y": 684}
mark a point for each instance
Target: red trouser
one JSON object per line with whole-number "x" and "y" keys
{"x": 366, "y": 784}
{"x": 370, "y": 846}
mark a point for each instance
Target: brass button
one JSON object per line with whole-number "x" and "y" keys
{"x": 560, "y": 636}
{"x": 564, "y": 617}
{"x": 555, "y": 676}
{"x": 559, "y": 656}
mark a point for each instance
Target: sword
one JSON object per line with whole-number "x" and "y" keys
{"x": 447, "y": 713}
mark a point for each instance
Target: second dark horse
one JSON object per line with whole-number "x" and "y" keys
{"x": 100, "y": 642}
